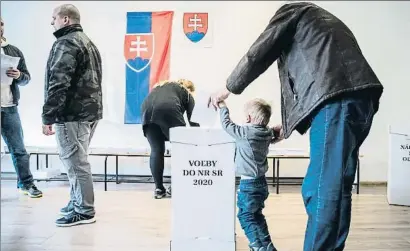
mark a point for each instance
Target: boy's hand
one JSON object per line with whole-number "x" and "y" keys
{"x": 278, "y": 132}
{"x": 221, "y": 104}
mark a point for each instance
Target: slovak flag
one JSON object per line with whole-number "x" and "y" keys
{"x": 147, "y": 56}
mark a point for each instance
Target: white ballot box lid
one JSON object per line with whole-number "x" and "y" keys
{"x": 400, "y": 129}
{"x": 199, "y": 136}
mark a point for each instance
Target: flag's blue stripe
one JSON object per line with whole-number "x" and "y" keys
{"x": 137, "y": 84}
{"x": 139, "y": 22}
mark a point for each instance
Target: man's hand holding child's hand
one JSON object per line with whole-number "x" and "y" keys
{"x": 221, "y": 104}
{"x": 278, "y": 132}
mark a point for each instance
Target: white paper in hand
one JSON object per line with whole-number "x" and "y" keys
{"x": 206, "y": 117}
{"x": 6, "y": 63}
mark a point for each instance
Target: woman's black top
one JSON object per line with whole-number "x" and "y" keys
{"x": 165, "y": 106}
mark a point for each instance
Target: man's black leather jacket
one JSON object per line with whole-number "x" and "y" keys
{"x": 318, "y": 58}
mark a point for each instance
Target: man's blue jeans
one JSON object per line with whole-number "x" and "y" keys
{"x": 336, "y": 134}
{"x": 12, "y": 133}
{"x": 251, "y": 201}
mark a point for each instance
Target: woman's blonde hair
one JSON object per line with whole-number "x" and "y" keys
{"x": 187, "y": 84}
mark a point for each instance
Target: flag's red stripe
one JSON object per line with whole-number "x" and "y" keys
{"x": 161, "y": 27}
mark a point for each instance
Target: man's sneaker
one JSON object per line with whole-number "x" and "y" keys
{"x": 159, "y": 193}
{"x": 31, "y": 190}
{"x": 267, "y": 241}
{"x": 256, "y": 246}
{"x": 169, "y": 191}
{"x": 67, "y": 209}
{"x": 257, "y": 249}
{"x": 74, "y": 219}
{"x": 270, "y": 247}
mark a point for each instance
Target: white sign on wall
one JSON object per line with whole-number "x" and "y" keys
{"x": 398, "y": 180}
{"x": 203, "y": 190}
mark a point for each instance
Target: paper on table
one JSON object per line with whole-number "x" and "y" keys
{"x": 6, "y": 63}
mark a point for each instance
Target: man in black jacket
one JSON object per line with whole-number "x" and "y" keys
{"x": 73, "y": 103}
{"x": 328, "y": 86}
{"x": 11, "y": 129}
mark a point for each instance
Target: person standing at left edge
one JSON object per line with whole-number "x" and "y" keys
{"x": 73, "y": 103}
{"x": 11, "y": 129}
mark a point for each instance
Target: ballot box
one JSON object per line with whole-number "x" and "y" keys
{"x": 203, "y": 190}
{"x": 398, "y": 181}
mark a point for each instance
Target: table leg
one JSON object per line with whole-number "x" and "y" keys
{"x": 116, "y": 170}
{"x": 38, "y": 162}
{"x": 105, "y": 173}
{"x": 358, "y": 177}
{"x": 277, "y": 178}
{"x": 273, "y": 171}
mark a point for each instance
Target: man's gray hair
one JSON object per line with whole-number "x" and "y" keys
{"x": 259, "y": 110}
{"x": 294, "y": 1}
{"x": 70, "y": 11}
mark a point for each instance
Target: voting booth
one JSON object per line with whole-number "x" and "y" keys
{"x": 398, "y": 181}
{"x": 203, "y": 190}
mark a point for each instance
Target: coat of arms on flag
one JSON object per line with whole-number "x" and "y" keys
{"x": 139, "y": 50}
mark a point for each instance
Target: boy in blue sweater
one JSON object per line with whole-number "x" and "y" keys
{"x": 252, "y": 147}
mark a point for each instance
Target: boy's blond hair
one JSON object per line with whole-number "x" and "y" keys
{"x": 187, "y": 84}
{"x": 259, "y": 110}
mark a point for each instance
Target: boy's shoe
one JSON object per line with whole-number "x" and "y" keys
{"x": 67, "y": 209}
{"x": 169, "y": 191}
{"x": 31, "y": 190}
{"x": 159, "y": 193}
{"x": 74, "y": 219}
